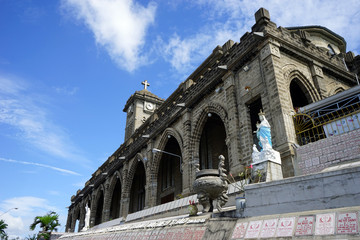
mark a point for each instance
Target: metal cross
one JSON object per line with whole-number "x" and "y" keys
{"x": 146, "y": 84}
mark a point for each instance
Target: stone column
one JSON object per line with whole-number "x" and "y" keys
{"x": 125, "y": 197}
{"x": 68, "y": 222}
{"x": 73, "y": 222}
{"x": 232, "y": 139}
{"x": 275, "y": 104}
{"x": 93, "y": 210}
{"x": 318, "y": 77}
{"x": 107, "y": 202}
{"x": 187, "y": 162}
{"x": 82, "y": 217}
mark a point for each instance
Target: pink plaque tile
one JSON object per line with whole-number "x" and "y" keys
{"x": 154, "y": 234}
{"x": 325, "y": 224}
{"x": 305, "y": 226}
{"x": 347, "y": 223}
{"x": 253, "y": 229}
{"x": 285, "y": 227}
{"x": 198, "y": 233}
{"x": 239, "y": 230}
{"x": 188, "y": 233}
{"x": 178, "y": 234}
{"x": 268, "y": 228}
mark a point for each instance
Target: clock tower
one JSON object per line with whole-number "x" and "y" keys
{"x": 139, "y": 107}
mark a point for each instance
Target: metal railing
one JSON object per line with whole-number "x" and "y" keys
{"x": 313, "y": 126}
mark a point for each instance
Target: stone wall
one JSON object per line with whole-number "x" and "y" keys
{"x": 316, "y": 156}
{"x": 326, "y": 190}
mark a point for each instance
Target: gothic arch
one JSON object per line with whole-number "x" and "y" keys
{"x": 134, "y": 164}
{"x": 336, "y": 90}
{"x": 110, "y": 192}
{"x": 201, "y": 121}
{"x": 131, "y": 172}
{"x": 293, "y": 74}
{"x": 163, "y": 141}
{"x": 94, "y": 204}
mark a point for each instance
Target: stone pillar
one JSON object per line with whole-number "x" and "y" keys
{"x": 188, "y": 176}
{"x": 232, "y": 140}
{"x": 276, "y": 106}
{"x": 68, "y": 222}
{"x": 107, "y": 202}
{"x": 82, "y": 217}
{"x": 93, "y": 210}
{"x": 318, "y": 77}
{"x": 124, "y": 207}
{"x": 73, "y": 222}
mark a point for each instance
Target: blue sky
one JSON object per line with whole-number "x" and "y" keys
{"x": 68, "y": 67}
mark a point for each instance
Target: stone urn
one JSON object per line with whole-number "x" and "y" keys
{"x": 211, "y": 184}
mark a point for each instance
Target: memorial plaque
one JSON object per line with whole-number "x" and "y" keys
{"x": 285, "y": 227}
{"x": 188, "y": 233}
{"x": 325, "y": 224}
{"x": 347, "y": 223}
{"x": 198, "y": 233}
{"x": 268, "y": 228}
{"x": 239, "y": 230}
{"x": 254, "y": 229}
{"x": 305, "y": 226}
{"x": 178, "y": 234}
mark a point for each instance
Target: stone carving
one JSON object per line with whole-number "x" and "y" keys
{"x": 211, "y": 184}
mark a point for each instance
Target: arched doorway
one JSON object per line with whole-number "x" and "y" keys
{"x": 99, "y": 208}
{"x": 212, "y": 143}
{"x": 137, "y": 192}
{"x": 169, "y": 175}
{"x": 299, "y": 95}
{"x": 115, "y": 201}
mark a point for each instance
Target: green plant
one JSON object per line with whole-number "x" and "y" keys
{"x": 48, "y": 223}
{"x": 33, "y": 237}
{"x": 246, "y": 178}
{"x": 3, "y": 226}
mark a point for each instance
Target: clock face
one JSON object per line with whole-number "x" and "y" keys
{"x": 149, "y": 106}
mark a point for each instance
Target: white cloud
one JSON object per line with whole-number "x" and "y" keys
{"x": 67, "y": 90}
{"x": 41, "y": 165}
{"x": 230, "y": 19}
{"x": 119, "y": 26}
{"x": 28, "y": 207}
{"x": 28, "y": 114}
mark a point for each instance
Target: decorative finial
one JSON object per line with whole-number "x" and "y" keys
{"x": 146, "y": 84}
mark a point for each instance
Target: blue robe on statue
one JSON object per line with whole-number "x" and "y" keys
{"x": 264, "y": 131}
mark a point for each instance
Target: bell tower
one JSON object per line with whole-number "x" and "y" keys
{"x": 139, "y": 107}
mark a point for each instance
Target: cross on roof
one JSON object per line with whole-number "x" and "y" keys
{"x": 146, "y": 84}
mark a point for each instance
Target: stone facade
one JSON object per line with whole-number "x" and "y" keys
{"x": 214, "y": 112}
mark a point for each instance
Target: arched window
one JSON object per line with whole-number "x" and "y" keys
{"x": 169, "y": 175}
{"x": 212, "y": 143}
{"x": 299, "y": 96}
{"x": 115, "y": 201}
{"x": 99, "y": 208}
{"x": 137, "y": 192}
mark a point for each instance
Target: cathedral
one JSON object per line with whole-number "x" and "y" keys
{"x": 279, "y": 71}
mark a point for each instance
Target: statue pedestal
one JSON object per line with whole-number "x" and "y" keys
{"x": 268, "y": 162}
